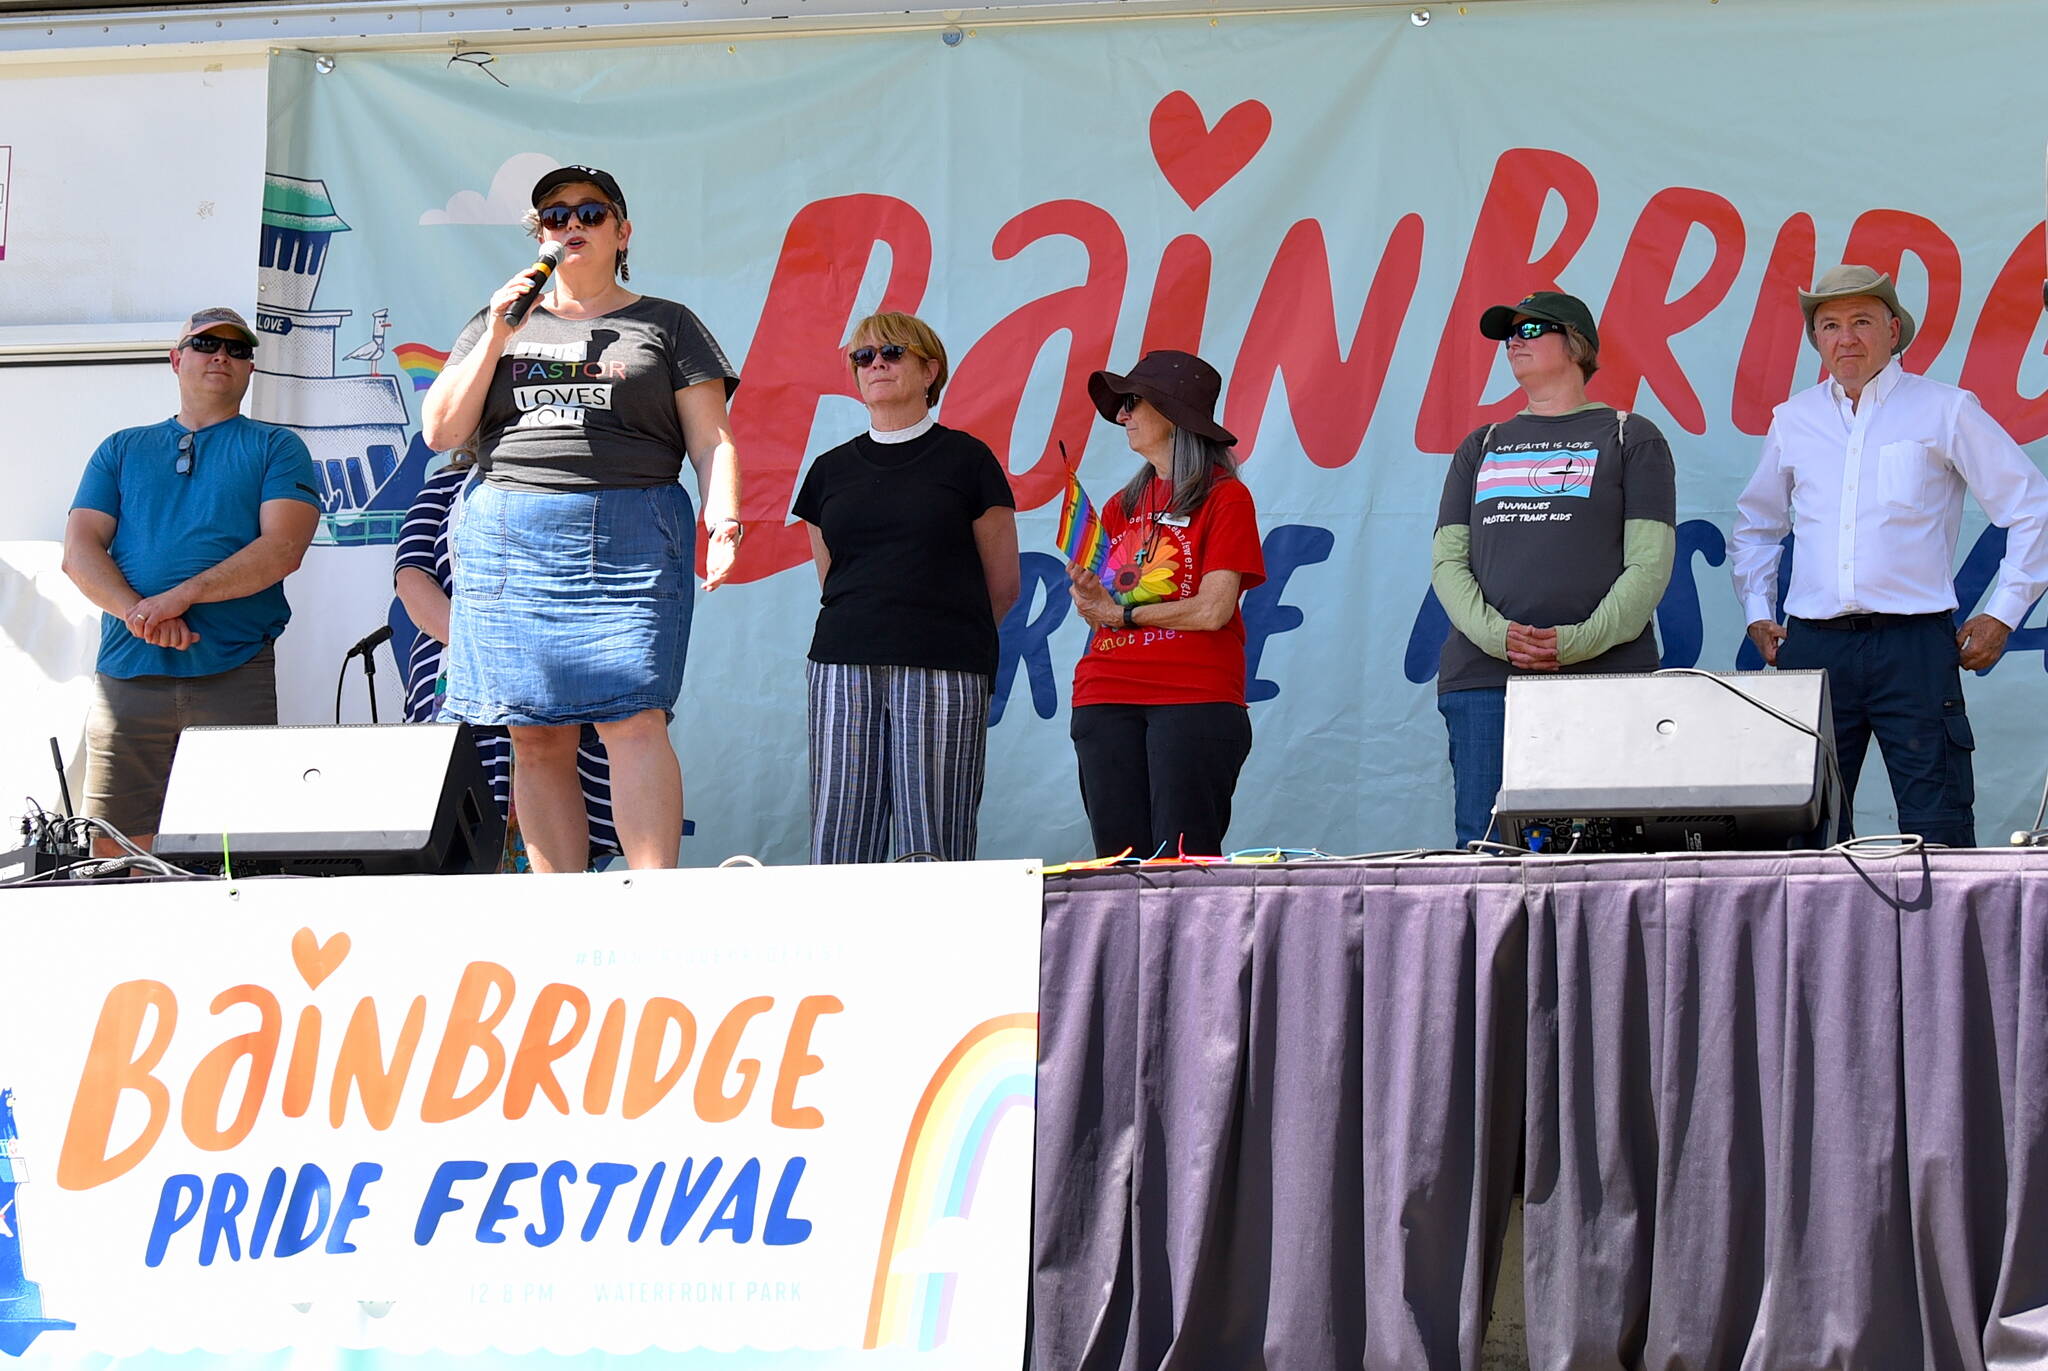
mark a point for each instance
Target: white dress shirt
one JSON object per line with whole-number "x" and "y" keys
{"x": 1875, "y": 494}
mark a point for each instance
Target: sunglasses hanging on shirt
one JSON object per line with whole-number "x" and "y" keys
{"x": 186, "y": 446}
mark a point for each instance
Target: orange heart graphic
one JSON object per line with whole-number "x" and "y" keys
{"x": 317, "y": 960}
{"x": 1199, "y": 160}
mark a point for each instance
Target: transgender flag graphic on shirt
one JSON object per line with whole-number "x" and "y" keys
{"x": 1535, "y": 475}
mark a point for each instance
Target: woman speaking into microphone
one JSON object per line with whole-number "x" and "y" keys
{"x": 573, "y": 553}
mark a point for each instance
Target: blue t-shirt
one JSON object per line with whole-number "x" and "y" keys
{"x": 169, "y": 528}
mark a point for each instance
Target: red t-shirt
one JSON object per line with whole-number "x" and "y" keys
{"x": 1153, "y": 557}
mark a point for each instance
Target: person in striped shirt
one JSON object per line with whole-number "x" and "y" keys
{"x": 424, "y": 576}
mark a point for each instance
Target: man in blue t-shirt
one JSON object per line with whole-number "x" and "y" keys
{"x": 182, "y": 533}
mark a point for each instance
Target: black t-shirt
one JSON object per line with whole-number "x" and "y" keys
{"x": 906, "y": 586}
{"x": 1545, "y": 496}
{"x": 579, "y": 403}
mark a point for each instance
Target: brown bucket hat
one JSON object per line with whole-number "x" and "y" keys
{"x": 1180, "y": 385}
{"x": 1847, "y": 281}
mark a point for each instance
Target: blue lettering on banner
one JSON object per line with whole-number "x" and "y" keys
{"x": 1426, "y": 639}
{"x": 735, "y": 1215}
{"x": 1680, "y": 627}
{"x": 1025, "y": 637}
{"x": 1287, "y": 549}
{"x": 310, "y": 1213}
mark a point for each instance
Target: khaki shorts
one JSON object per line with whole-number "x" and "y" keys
{"x": 133, "y": 730}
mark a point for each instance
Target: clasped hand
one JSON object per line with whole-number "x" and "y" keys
{"x": 1091, "y": 600}
{"x": 1532, "y": 649}
{"x": 159, "y": 620}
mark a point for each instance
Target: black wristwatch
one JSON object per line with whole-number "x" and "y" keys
{"x": 1129, "y": 622}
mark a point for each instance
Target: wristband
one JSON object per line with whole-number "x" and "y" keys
{"x": 738, "y": 529}
{"x": 1129, "y": 622}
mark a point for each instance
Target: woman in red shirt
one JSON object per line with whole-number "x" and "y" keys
{"x": 1159, "y": 721}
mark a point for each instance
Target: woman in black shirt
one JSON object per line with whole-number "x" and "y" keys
{"x": 913, "y": 529}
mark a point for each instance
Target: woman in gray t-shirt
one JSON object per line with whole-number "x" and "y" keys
{"x": 573, "y": 553}
{"x": 1554, "y": 541}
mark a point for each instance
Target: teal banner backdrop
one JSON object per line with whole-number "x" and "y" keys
{"x": 1320, "y": 204}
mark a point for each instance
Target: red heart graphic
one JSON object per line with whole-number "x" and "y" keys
{"x": 1197, "y": 159}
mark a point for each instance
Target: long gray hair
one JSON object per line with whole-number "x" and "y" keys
{"x": 1198, "y": 463}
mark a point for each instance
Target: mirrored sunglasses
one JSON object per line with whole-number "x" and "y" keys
{"x": 209, "y": 344}
{"x": 1529, "y": 330}
{"x": 186, "y": 446}
{"x": 589, "y": 214}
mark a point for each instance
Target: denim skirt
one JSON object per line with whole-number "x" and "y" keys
{"x": 570, "y": 607}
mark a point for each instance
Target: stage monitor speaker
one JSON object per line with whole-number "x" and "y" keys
{"x": 351, "y": 799}
{"x": 1668, "y": 762}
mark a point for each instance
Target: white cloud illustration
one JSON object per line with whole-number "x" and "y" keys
{"x": 509, "y": 198}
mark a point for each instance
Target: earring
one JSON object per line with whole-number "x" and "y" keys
{"x": 625, "y": 272}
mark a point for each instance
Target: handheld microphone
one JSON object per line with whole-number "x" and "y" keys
{"x": 369, "y": 643}
{"x": 542, "y": 268}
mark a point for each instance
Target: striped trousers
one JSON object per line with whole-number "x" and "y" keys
{"x": 897, "y": 754}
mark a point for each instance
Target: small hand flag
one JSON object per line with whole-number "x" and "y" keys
{"x": 1081, "y": 537}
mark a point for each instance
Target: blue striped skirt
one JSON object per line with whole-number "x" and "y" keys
{"x": 569, "y": 607}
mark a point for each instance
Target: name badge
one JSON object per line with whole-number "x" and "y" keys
{"x": 1172, "y": 520}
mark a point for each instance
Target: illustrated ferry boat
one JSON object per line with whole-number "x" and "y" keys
{"x": 356, "y": 426}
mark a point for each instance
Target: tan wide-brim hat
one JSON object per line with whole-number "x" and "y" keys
{"x": 1847, "y": 281}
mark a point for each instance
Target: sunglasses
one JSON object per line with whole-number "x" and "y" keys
{"x": 1129, "y": 404}
{"x": 185, "y": 447}
{"x": 590, "y": 214}
{"x": 209, "y": 344}
{"x": 864, "y": 357}
{"x": 1529, "y": 330}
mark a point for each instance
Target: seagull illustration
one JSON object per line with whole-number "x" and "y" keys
{"x": 373, "y": 351}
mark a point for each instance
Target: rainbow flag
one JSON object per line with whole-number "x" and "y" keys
{"x": 420, "y": 362}
{"x": 1080, "y": 534}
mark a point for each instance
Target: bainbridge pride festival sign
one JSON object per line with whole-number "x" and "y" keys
{"x": 724, "y": 1119}
{"x": 1319, "y": 203}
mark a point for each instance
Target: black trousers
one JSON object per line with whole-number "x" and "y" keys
{"x": 1897, "y": 677}
{"x": 1157, "y": 779}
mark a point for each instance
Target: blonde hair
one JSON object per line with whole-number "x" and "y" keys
{"x": 906, "y": 330}
{"x": 1580, "y": 349}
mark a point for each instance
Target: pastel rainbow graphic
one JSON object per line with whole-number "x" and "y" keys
{"x": 989, "y": 1073}
{"x": 420, "y": 362}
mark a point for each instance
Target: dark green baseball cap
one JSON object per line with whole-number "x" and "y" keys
{"x": 1551, "y": 306}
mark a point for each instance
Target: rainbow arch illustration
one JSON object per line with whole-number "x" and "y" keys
{"x": 992, "y": 1071}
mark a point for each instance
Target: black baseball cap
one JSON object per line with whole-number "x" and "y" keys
{"x": 1551, "y": 306}
{"x": 569, "y": 176}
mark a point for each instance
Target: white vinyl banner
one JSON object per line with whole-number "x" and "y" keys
{"x": 739, "y": 1118}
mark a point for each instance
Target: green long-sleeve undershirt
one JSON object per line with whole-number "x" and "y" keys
{"x": 1647, "y": 549}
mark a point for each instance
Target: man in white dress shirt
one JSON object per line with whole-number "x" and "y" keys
{"x": 1869, "y": 467}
